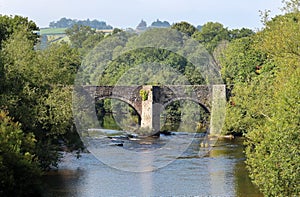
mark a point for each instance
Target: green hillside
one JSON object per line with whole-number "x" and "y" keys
{"x": 51, "y": 31}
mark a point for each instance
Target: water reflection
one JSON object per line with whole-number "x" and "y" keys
{"x": 220, "y": 173}
{"x": 232, "y": 152}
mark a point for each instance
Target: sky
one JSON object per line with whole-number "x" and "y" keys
{"x": 128, "y": 13}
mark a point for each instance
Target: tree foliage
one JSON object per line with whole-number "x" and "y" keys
{"x": 291, "y": 6}
{"x": 264, "y": 103}
{"x": 185, "y": 28}
{"x": 69, "y": 23}
{"x": 84, "y": 38}
{"x": 240, "y": 61}
{"x": 36, "y": 91}
{"x": 277, "y": 140}
{"x": 11, "y": 24}
{"x": 261, "y": 71}
{"x": 212, "y": 34}
{"x": 19, "y": 170}
{"x": 160, "y": 24}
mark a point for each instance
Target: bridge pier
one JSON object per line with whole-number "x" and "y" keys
{"x": 150, "y": 117}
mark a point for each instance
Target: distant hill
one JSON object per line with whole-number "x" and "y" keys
{"x": 160, "y": 24}
{"x": 67, "y": 23}
{"x": 142, "y": 26}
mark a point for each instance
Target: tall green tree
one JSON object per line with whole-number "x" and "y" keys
{"x": 37, "y": 91}
{"x": 277, "y": 140}
{"x": 83, "y": 37}
{"x": 264, "y": 104}
{"x": 211, "y": 34}
{"x": 241, "y": 61}
{"x": 185, "y": 28}
{"x": 240, "y": 33}
{"x": 11, "y": 24}
{"x": 19, "y": 171}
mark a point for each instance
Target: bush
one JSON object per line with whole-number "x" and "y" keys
{"x": 19, "y": 172}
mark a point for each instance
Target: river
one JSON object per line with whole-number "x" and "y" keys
{"x": 219, "y": 172}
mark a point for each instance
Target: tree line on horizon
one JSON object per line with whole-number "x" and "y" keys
{"x": 96, "y": 24}
{"x": 68, "y": 23}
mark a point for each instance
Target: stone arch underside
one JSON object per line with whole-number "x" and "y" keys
{"x": 127, "y": 94}
{"x": 195, "y": 100}
{"x": 135, "y": 106}
{"x": 200, "y": 94}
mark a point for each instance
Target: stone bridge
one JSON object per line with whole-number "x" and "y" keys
{"x": 149, "y": 101}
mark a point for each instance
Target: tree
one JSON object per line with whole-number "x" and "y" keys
{"x": 291, "y": 6}
{"x": 159, "y": 24}
{"x": 36, "y": 83}
{"x": 264, "y": 104}
{"x": 17, "y": 58}
{"x": 240, "y": 33}
{"x": 277, "y": 139}
{"x": 69, "y": 23}
{"x": 19, "y": 170}
{"x": 211, "y": 34}
{"x": 273, "y": 146}
{"x": 240, "y": 61}
{"x": 11, "y": 24}
{"x": 116, "y": 30}
{"x": 185, "y": 28}
{"x": 36, "y": 90}
{"x": 78, "y": 34}
{"x": 84, "y": 38}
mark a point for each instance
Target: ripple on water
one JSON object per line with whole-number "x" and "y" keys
{"x": 213, "y": 175}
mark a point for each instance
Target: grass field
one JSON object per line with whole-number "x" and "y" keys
{"x": 55, "y": 38}
{"x": 51, "y": 31}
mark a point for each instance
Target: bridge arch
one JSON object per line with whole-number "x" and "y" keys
{"x": 197, "y": 120}
{"x": 136, "y": 124}
{"x": 195, "y": 100}
{"x": 131, "y": 104}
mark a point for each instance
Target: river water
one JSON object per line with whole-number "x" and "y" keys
{"x": 220, "y": 171}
